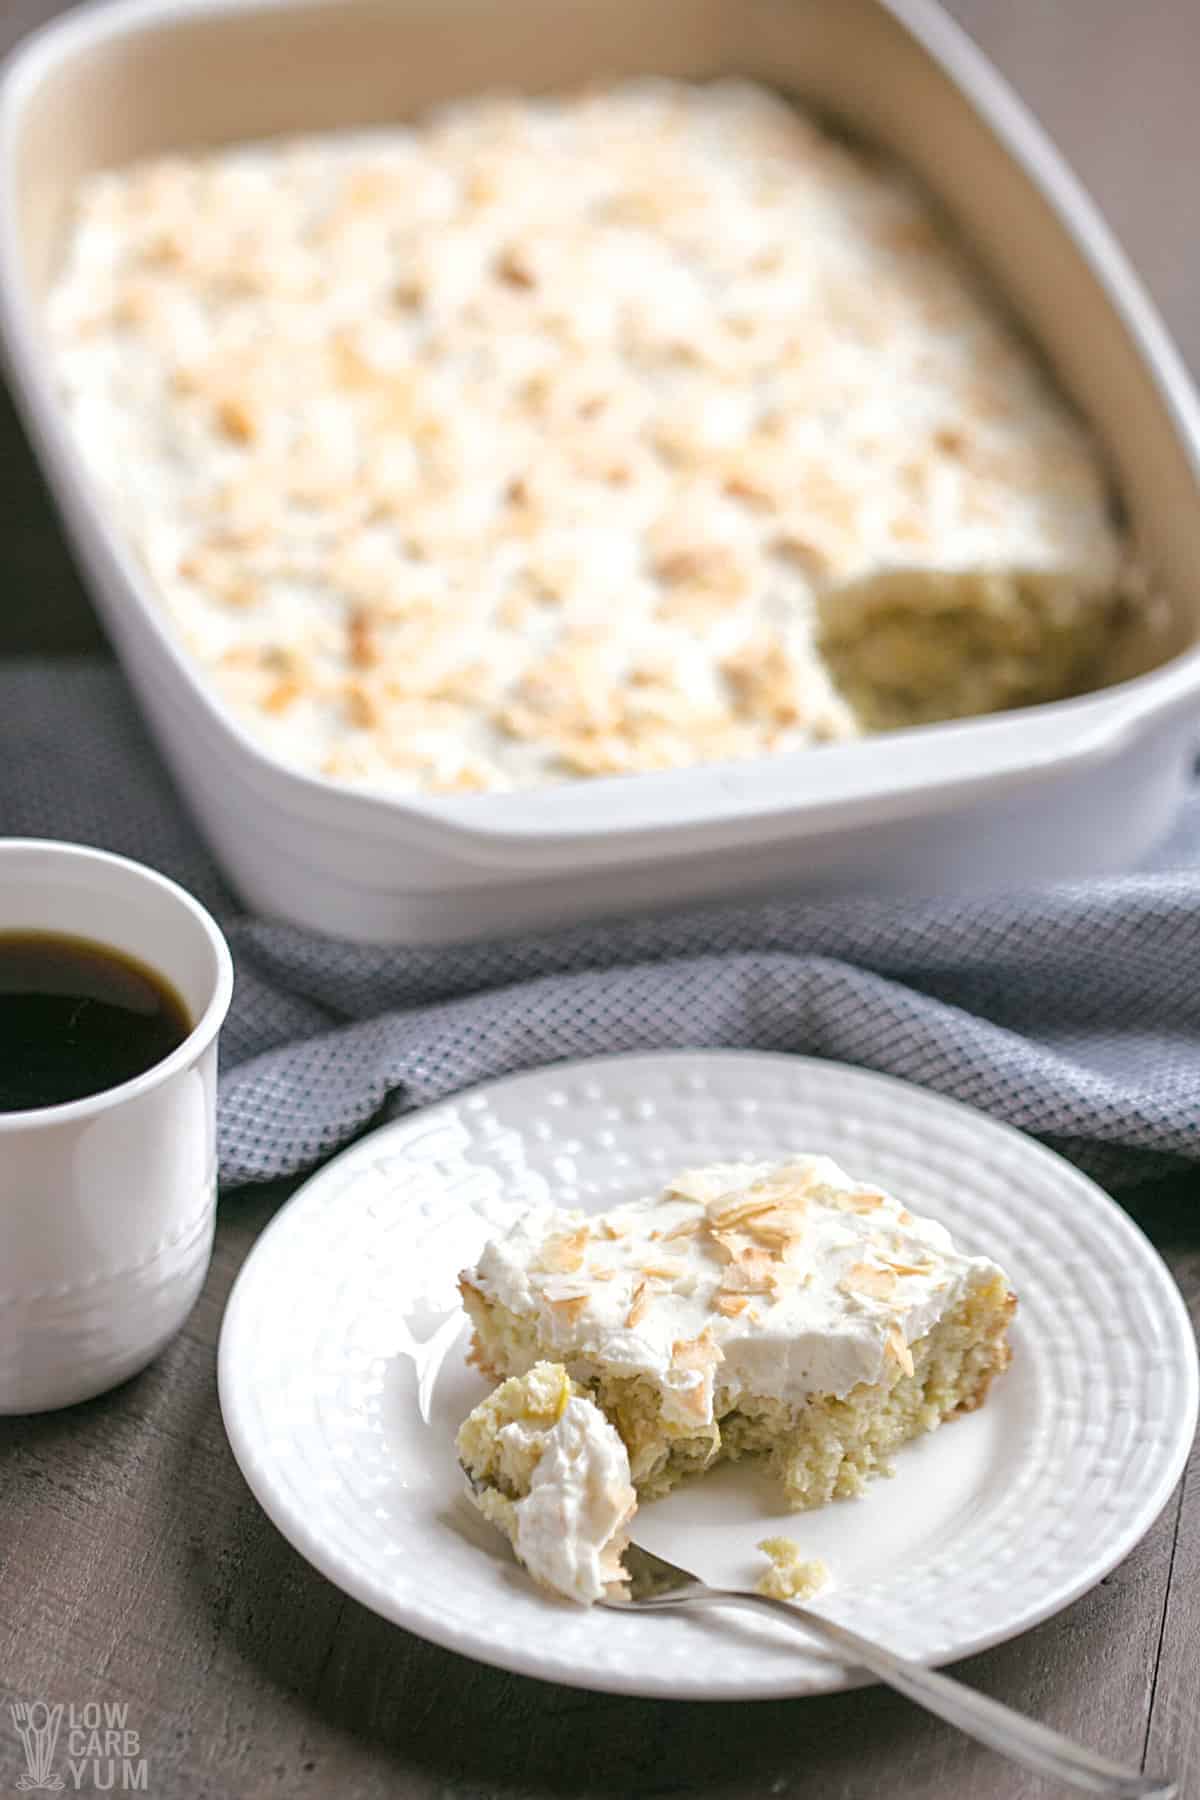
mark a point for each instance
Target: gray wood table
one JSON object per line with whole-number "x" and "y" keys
{"x": 136, "y": 1569}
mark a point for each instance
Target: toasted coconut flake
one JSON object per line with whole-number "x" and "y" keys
{"x": 765, "y": 681}
{"x": 616, "y": 1228}
{"x": 734, "y": 1245}
{"x": 562, "y": 1252}
{"x": 639, "y": 1306}
{"x": 897, "y": 1346}
{"x": 902, "y": 1268}
{"x": 865, "y": 1278}
{"x": 714, "y": 566}
{"x": 283, "y": 694}
{"x": 865, "y": 1200}
{"x": 860, "y": 1200}
{"x": 685, "y": 1228}
{"x": 695, "y": 1402}
{"x": 772, "y": 1214}
{"x": 698, "y": 1358}
{"x": 780, "y": 1227}
{"x": 786, "y": 1208}
{"x": 780, "y": 1244}
{"x": 237, "y": 419}
{"x": 753, "y": 1273}
{"x": 362, "y": 642}
{"x": 663, "y": 1271}
{"x": 599, "y": 1273}
{"x": 731, "y": 1305}
{"x": 699, "y": 1185}
{"x": 513, "y": 267}
{"x": 724, "y": 1215}
{"x": 785, "y": 1275}
{"x": 362, "y": 708}
{"x": 568, "y": 1309}
{"x": 699, "y": 1355}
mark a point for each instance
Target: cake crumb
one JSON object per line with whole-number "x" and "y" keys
{"x": 791, "y": 1575}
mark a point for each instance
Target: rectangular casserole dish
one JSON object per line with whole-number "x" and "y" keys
{"x": 1078, "y": 787}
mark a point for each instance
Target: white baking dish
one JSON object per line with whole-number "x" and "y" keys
{"x": 1082, "y": 786}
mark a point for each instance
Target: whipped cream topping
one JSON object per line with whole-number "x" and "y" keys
{"x": 779, "y": 1281}
{"x": 569, "y": 1525}
{"x": 521, "y": 443}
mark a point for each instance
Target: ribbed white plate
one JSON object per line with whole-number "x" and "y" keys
{"x": 343, "y": 1329}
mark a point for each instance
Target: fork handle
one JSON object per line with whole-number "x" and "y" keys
{"x": 1034, "y": 1746}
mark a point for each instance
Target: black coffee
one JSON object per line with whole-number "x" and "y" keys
{"x": 77, "y": 1018}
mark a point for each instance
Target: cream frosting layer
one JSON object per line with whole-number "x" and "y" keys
{"x": 778, "y": 1281}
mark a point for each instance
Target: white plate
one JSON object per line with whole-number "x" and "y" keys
{"x": 343, "y": 1329}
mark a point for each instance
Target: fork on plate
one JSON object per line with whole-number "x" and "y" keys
{"x": 658, "y": 1585}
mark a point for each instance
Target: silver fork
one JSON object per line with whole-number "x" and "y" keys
{"x": 655, "y": 1584}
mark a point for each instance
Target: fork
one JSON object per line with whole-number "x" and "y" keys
{"x": 656, "y": 1585}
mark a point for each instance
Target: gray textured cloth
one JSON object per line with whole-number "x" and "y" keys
{"x": 1072, "y": 1012}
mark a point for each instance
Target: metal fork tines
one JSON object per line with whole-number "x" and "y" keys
{"x": 656, "y": 1584}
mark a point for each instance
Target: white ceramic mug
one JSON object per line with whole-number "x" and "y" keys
{"x": 107, "y": 1204}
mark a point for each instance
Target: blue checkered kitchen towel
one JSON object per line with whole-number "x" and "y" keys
{"x": 1073, "y": 1013}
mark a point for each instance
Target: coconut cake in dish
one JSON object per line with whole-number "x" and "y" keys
{"x": 784, "y": 1311}
{"x": 544, "y": 1465}
{"x": 578, "y": 435}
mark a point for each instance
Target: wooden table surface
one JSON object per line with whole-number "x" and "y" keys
{"x": 135, "y": 1567}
